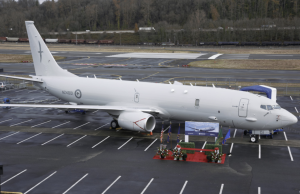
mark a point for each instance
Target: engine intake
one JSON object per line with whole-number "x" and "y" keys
{"x": 137, "y": 121}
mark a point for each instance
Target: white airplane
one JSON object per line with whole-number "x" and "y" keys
{"x": 207, "y": 129}
{"x": 134, "y": 105}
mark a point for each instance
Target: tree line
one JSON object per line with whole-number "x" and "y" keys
{"x": 174, "y": 20}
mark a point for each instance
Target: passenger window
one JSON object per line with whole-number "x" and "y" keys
{"x": 263, "y": 107}
{"x": 197, "y": 102}
{"x": 269, "y": 107}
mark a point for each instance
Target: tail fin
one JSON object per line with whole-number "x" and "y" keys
{"x": 44, "y": 63}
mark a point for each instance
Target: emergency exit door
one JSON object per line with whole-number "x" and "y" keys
{"x": 243, "y": 107}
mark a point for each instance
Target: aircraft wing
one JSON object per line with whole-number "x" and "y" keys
{"x": 193, "y": 128}
{"x": 206, "y": 130}
{"x": 83, "y": 107}
{"x": 22, "y": 78}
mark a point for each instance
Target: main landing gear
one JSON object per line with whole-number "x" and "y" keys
{"x": 114, "y": 124}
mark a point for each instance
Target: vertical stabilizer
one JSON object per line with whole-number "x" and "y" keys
{"x": 44, "y": 63}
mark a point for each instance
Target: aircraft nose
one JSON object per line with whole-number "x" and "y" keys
{"x": 293, "y": 119}
{"x": 289, "y": 118}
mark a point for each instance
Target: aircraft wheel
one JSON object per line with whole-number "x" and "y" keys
{"x": 253, "y": 138}
{"x": 114, "y": 124}
{"x": 66, "y": 112}
{"x": 245, "y": 132}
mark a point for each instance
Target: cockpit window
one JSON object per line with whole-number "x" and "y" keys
{"x": 263, "y": 107}
{"x": 269, "y": 107}
{"x": 276, "y": 107}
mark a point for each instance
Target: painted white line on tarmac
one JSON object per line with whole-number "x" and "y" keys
{"x": 54, "y": 101}
{"x": 166, "y": 129}
{"x": 292, "y": 159}
{"x": 21, "y": 123}
{"x": 159, "y": 55}
{"x": 150, "y": 145}
{"x": 81, "y": 125}
{"x": 258, "y": 136}
{"x": 32, "y": 91}
{"x": 95, "y": 111}
{"x": 76, "y": 140}
{"x": 147, "y": 186}
{"x": 9, "y": 135}
{"x": 183, "y": 187}
{"x": 29, "y": 138}
{"x": 291, "y": 98}
{"x": 14, "y": 108}
{"x": 231, "y": 149}
{"x": 5, "y": 120}
{"x": 29, "y": 108}
{"x": 296, "y": 110}
{"x": 60, "y": 124}
{"x": 259, "y": 151}
{"x": 75, "y": 183}
{"x": 125, "y": 143}
{"x": 52, "y": 139}
{"x": 13, "y": 177}
{"x": 215, "y": 56}
{"x": 203, "y": 145}
{"x": 111, "y": 184}
{"x": 234, "y": 133}
{"x": 46, "y": 109}
{"x": 101, "y": 141}
{"x": 40, "y": 182}
{"x": 259, "y": 192}
{"x": 20, "y": 90}
{"x": 101, "y": 126}
{"x": 40, "y": 124}
{"x": 285, "y": 136}
{"x": 221, "y": 189}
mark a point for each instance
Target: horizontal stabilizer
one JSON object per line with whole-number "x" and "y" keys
{"x": 23, "y": 78}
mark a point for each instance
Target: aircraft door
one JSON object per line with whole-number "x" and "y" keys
{"x": 243, "y": 107}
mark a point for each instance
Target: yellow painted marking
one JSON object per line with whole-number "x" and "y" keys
{"x": 160, "y": 64}
{"x": 149, "y": 76}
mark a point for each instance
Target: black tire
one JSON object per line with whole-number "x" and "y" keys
{"x": 66, "y": 112}
{"x": 257, "y": 139}
{"x": 114, "y": 124}
{"x": 245, "y": 132}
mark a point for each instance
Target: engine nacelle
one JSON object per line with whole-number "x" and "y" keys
{"x": 137, "y": 121}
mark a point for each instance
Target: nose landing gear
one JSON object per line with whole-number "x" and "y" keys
{"x": 254, "y": 138}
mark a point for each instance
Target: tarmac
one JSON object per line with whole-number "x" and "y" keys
{"x": 48, "y": 151}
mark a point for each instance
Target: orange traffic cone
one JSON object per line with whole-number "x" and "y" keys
{"x": 151, "y": 133}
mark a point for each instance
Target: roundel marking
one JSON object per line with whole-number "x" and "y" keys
{"x": 78, "y": 93}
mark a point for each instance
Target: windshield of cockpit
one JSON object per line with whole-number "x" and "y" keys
{"x": 270, "y": 107}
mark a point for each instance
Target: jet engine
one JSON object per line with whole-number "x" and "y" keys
{"x": 137, "y": 121}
